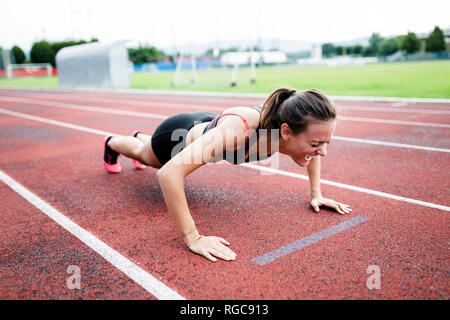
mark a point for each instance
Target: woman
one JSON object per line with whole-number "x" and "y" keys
{"x": 298, "y": 124}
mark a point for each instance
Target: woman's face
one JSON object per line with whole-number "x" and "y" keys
{"x": 311, "y": 143}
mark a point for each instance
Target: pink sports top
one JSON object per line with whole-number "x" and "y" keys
{"x": 238, "y": 156}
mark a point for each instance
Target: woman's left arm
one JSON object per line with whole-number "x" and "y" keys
{"x": 317, "y": 200}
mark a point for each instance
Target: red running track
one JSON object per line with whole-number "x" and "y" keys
{"x": 257, "y": 213}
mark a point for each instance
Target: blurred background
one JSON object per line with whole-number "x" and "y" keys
{"x": 369, "y": 48}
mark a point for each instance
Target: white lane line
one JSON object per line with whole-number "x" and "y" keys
{"x": 399, "y": 104}
{"x": 186, "y": 105}
{"x": 201, "y": 107}
{"x": 390, "y": 109}
{"x": 257, "y": 167}
{"x": 138, "y": 275}
{"x": 400, "y": 122}
{"x": 56, "y": 123}
{"x": 148, "y": 92}
{"x": 390, "y": 144}
{"x": 391, "y": 99}
{"x": 349, "y": 187}
{"x": 123, "y": 100}
{"x": 367, "y": 141}
{"x": 56, "y": 104}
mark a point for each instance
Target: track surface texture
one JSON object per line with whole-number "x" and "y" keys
{"x": 390, "y": 161}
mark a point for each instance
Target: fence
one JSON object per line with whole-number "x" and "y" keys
{"x": 419, "y": 56}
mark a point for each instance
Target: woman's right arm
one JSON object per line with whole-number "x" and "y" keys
{"x": 172, "y": 176}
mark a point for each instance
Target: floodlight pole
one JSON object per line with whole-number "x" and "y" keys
{"x": 194, "y": 68}
{"x": 252, "y": 66}
{"x": 49, "y": 70}
{"x": 234, "y": 74}
{"x": 178, "y": 69}
{"x": 8, "y": 71}
{"x": 7, "y": 63}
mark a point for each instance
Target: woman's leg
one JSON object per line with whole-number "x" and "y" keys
{"x": 139, "y": 146}
{"x": 142, "y": 137}
{"x": 135, "y": 148}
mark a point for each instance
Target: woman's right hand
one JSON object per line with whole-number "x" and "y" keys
{"x": 211, "y": 247}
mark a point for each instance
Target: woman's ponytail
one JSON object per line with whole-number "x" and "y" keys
{"x": 272, "y": 105}
{"x": 296, "y": 109}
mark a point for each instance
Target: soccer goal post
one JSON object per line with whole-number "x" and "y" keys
{"x": 189, "y": 63}
{"x": 243, "y": 65}
{"x": 27, "y": 70}
{"x": 249, "y": 59}
{"x": 232, "y": 69}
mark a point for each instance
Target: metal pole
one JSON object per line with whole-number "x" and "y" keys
{"x": 234, "y": 74}
{"x": 178, "y": 69}
{"x": 8, "y": 71}
{"x": 49, "y": 70}
{"x": 252, "y": 66}
{"x": 7, "y": 63}
{"x": 194, "y": 69}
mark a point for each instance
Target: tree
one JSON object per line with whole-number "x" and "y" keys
{"x": 236, "y": 49}
{"x": 209, "y": 52}
{"x": 354, "y": 50}
{"x": 375, "y": 41}
{"x": 357, "y": 49}
{"x": 328, "y": 50}
{"x": 145, "y": 54}
{"x": 369, "y": 52}
{"x": 389, "y": 46}
{"x": 339, "y": 50}
{"x": 18, "y": 54}
{"x": 41, "y": 52}
{"x": 410, "y": 43}
{"x": 374, "y": 47}
{"x": 56, "y": 46}
{"x": 45, "y": 52}
{"x": 435, "y": 40}
{"x": 400, "y": 40}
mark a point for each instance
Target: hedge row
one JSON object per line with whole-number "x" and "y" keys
{"x": 379, "y": 46}
{"x": 45, "y": 52}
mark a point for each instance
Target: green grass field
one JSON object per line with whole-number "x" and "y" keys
{"x": 430, "y": 79}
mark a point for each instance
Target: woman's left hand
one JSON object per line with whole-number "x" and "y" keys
{"x": 318, "y": 201}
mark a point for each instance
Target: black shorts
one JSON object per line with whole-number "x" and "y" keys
{"x": 167, "y": 141}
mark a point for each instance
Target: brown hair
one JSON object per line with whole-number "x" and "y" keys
{"x": 297, "y": 109}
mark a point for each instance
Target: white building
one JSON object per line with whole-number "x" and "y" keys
{"x": 317, "y": 59}
{"x": 249, "y": 57}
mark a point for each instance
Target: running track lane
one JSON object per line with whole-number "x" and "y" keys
{"x": 364, "y": 166}
{"x": 36, "y": 253}
{"x": 217, "y": 106}
{"x": 219, "y": 100}
{"x": 410, "y": 128}
{"x": 226, "y": 190}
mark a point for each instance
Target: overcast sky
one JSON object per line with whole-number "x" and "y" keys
{"x": 174, "y": 23}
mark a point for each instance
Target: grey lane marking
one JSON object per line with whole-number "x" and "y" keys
{"x": 304, "y": 242}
